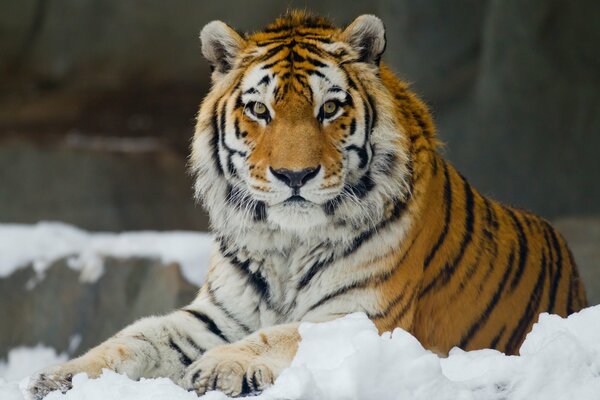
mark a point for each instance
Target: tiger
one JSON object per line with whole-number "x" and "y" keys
{"x": 328, "y": 195}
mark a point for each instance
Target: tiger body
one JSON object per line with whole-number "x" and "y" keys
{"x": 320, "y": 172}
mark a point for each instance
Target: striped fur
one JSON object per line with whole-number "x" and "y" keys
{"x": 383, "y": 225}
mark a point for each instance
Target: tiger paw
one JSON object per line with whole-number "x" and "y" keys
{"x": 59, "y": 377}
{"x": 50, "y": 380}
{"x": 230, "y": 370}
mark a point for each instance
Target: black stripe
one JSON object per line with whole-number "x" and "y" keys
{"x": 362, "y": 187}
{"x": 240, "y": 200}
{"x": 530, "y": 311}
{"x": 449, "y": 268}
{"x": 491, "y": 304}
{"x": 195, "y": 345}
{"x": 370, "y": 280}
{"x": 557, "y": 267}
{"x": 394, "y": 302}
{"x": 316, "y": 62}
{"x": 388, "y": 163}
{"x": 399, "y": 207}
{"x": 260, "y": 211}
{"x": 264, "y": 81}
{"x": 338, "y": 292}
{"x": 271, "y": 64}
{"x": 271, "y": 53}
{"x": 374, "y": 115}
{"x": 184, "y": 358}
{"x": 144, "y": 338}
{"x": 254, "y": 278}
{"x": 574, "y": 282}
{"x": 497, "y": 338}
{"x": 352, "y": 127}
{"x": 485, "y": 240}
{"x": 448, "y": 212}
{"x": 570, "y": 308}
{"x": 214, "y": 143}
{"x": 405, "y": 308}
{"x": 435, "y": 166}
{"x": 210, "y": 324}
{"x": 313, "y": 270}
{"x": 362, "y": 155}
{"x": 224, "y": 309}
{"x": 523, "y": 250}
{"x": 316, "y": 72}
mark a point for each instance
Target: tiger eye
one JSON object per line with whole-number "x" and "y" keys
{"x": 329, "y": 108}
{"x": 259, "y": 108}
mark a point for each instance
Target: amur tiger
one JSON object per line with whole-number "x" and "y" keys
{"x": 320, "y": 172}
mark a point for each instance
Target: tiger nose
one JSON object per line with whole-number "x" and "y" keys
{"x": 295, "y": 178}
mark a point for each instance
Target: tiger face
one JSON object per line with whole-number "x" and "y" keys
{"x": 299, "y": 124}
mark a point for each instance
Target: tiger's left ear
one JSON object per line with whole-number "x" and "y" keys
{"x": 220, "y": 46}
{"x": 366, "y": 34}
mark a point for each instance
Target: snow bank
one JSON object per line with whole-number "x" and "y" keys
{"x": 347, "y": 359}
{"x": 44, "y": 243}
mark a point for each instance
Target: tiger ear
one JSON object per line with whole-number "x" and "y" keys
{"x": 366, "y": 34}
{"x": 220, "y": 45}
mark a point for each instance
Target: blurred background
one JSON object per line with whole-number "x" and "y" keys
{"x": 98, "y": 99}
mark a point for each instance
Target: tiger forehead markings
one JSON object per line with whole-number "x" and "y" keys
{"x": 308, "y": 158}
{"x": 320, "y": 172}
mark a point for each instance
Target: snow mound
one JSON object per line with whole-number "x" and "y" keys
{"x": 347, "y": 359}
{"x": 46, "y": 242}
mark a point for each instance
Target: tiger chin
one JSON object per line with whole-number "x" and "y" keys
{"x": 327, "y": 196}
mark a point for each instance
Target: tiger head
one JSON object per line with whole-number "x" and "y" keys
{"x": 298, "y": 131}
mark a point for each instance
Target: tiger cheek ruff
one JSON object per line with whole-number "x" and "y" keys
{"x": 327, "y": 196}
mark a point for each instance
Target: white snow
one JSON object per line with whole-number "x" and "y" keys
{"x": 46, "y": 242}
{"x": 24, "y": 361}
{"x": 347, "y": 359}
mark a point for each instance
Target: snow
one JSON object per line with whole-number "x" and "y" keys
{"x": 347, "y": 359}
{"x": 44, "y": 243}
{"x": 24, "y": 361}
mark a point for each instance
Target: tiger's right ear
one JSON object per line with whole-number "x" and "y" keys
{"x": 220, "y": 45}
{"x": 366, "y": 34}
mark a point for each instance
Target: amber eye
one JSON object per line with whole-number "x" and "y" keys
{"x": 329, "y": 108}
{"x": 259, "y": 110}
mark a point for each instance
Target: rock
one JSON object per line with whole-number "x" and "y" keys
{"x": 583, "y": 237}
{"x": 59, "y": 306}
{"x": 98, "y": 184}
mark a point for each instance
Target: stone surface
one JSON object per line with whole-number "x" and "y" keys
{"x": 583, "y": 237}
{"x": 98, "y": 184}
{"x": 60, "y": 306}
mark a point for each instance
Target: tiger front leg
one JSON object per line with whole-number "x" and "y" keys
{"x": 151, "y": 347}
{"x": 249, "y": 365}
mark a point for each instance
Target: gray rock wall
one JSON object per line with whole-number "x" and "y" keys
{"x": 60, "y": 306}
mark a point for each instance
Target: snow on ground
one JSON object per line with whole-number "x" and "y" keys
{"x": 46, "y": 242}
{"x": 347, "y": 359}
